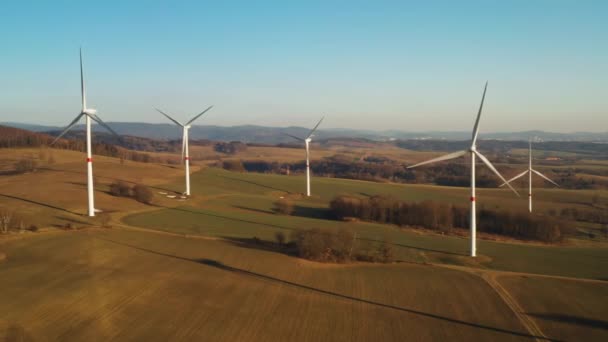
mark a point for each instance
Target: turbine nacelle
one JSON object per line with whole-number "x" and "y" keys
{"x": 89, "y": 111}
{"x": 308, "y": 140}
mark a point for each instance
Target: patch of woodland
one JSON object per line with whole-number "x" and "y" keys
{"x": 139, "y": 192}
{"x": 444, "y": 217}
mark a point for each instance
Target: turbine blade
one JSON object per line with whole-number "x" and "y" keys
{"x": 315, "y": 128}
{"x": 514, "y": 178}
{"x": 168, "y": 117}
{"x": 82, "y": 88}
{"x": 74, "y": 122}
{"x": 293, "y": 136}
{"x": 196, "y": 117}
{"x": 491, "y": 167}
{"x": 476, "y": 128}
{"x": 444, "y": 157}
{"x": 545, "y": 177}
{"x": 99, "y": 121}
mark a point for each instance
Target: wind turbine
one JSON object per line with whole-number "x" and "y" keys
{"x": 529, "y": 171}
{"x": 474, "y": 153}
{"x": 89, "y": 114}
{"x": 306, "y": 142}
{"x": 185, "y": 149}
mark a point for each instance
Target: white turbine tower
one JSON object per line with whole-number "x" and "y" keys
{"x": 89, "y": 114}
{"x": 306, "y": 142}
{"x": 529, "y": 171}
{"x": 185, "y": 148}
{"x": 474, "y": 153}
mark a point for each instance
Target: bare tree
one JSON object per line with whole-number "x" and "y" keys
{"x": 280, "y": 237}
{"x": 6, "y": 218}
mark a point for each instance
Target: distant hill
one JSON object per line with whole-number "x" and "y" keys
{"x": 276, "y": 135}
{"x": 107, "y": 144}
{"x": 18, "y": 137}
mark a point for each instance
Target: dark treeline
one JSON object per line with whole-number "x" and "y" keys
{"x": 593, "y": 216}
{"x": 585, "y": 149}
{"x": 444, "y": 217}
{"x": 14, "y": 137}
{"x": 382, "y": 169}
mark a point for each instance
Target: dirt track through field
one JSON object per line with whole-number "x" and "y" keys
{"x": 525, "y": 320}
{"x": 491, "y": 278}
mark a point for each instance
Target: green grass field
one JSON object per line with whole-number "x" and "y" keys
{"x": 240, "y": 205}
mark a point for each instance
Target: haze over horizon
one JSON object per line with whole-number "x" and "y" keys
{"x": 380, "y": 66}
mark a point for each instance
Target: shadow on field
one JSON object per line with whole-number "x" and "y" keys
{"x": 312, "y": 212}
{"x": 300, "y": 211}
{"x": 40, "y": 203}
{"x": 256, "y": 184}
{"x": 424, "y": 249}
{"x": 588, "y": 322}
{"x": 261, "y": 211}
{"x": 219, "y": 265}
{"x": 69, "y": 219}
{"x": 287, "y": 248}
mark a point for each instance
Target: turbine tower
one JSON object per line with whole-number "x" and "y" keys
{"x": 185, "y": 149}
{"x": 306, "y": 142}
{"x": 529, "y": 171}
{"x": 89, "y": 114}
{"x": 474, "y": 153}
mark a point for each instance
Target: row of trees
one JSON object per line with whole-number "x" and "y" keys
{"x": 444, "y": 217}
{"x": 380, "y": 169}
{"x": 376, "y": 169}
{"x": 593, "y": 216}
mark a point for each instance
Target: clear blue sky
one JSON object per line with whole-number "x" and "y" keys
{"x": 365, "y": 64}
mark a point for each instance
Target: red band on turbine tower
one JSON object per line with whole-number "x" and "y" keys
{"x": 186, "y": 158}
{"x": 472, "y": 199}
{"x": 89, "y": 160}
{"x": 529, "y": 195}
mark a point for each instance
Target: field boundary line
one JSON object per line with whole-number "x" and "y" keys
{"x": 525, "y": 320}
